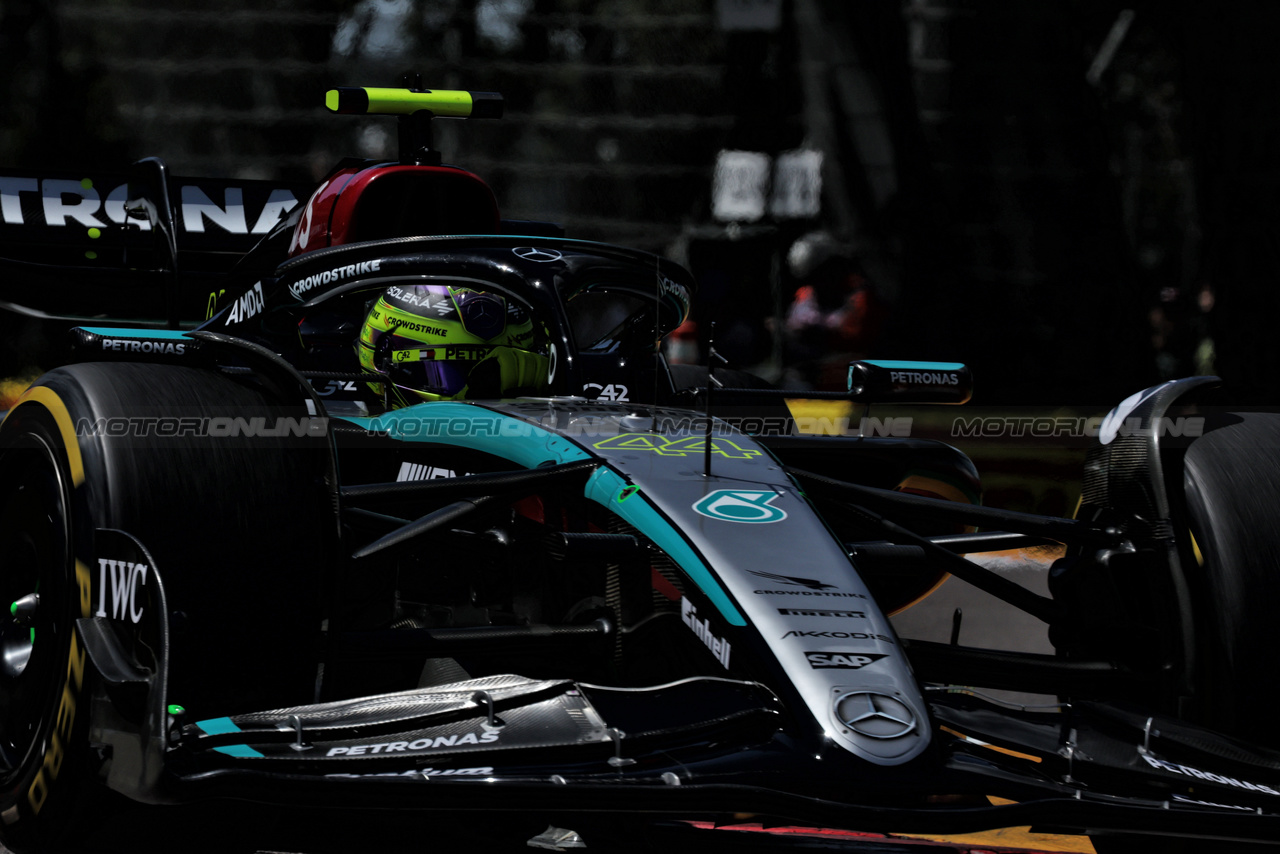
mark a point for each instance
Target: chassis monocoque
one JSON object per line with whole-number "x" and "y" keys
{"x": 640, "y": 596}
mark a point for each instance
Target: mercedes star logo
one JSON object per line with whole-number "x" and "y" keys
{"x": 875, "y": 715}
{"x": 541, "y": 256}
{"x": 483, "y": 315}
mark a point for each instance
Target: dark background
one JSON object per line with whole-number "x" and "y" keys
{"x": 1073, "y": 215}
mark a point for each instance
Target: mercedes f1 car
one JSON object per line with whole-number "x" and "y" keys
{"x": 420, "y": 519}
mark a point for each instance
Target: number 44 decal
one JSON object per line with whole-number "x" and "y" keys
{"x": 674, "y": 447}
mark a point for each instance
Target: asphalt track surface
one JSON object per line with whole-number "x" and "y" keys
{"x": 245, "y": 829}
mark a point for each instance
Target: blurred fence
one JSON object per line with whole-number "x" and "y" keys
{"x": 615, "y": 108}
{"x": 1021, "y": 204}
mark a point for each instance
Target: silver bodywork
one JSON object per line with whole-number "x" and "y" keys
{"x": 787, "y": 578}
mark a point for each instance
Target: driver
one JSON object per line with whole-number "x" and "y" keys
{"x": 452, "y": 342}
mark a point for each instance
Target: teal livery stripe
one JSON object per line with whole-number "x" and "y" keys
{"x": 242, "y": 751}
{"x": 218, "y": 726}
{"x": 468, "y": 426}
{"x": 605, "y": 488}
{"x": 114, "y": 332}
{"x": 915, "y": 366}
{"x": 221, "y": 726}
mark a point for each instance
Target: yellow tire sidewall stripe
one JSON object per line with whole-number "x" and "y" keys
{"x": 49, "y": 399}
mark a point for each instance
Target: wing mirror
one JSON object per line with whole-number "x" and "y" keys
{"x": 879, "y": 381}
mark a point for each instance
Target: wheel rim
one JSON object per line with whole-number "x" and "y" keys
{"x": 34, "y": 563}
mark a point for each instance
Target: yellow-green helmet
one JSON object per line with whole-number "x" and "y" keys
{"x": 449, "y": 342}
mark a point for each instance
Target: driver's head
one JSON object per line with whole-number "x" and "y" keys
{"x": 449, "y": 342}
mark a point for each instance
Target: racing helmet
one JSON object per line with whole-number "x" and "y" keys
{"x": 453, "y": 341}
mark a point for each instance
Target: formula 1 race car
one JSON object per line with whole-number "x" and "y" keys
{"x": 419, "y": 519}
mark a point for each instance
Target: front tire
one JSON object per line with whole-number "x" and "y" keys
{"x": 239, "y": 524}
{"x": 1231, "y": 491}
{"x": 1232, "y": 487}
{"x": 45, "y": 756}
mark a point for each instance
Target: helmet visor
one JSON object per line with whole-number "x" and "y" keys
{"x": 440, "y": 371}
